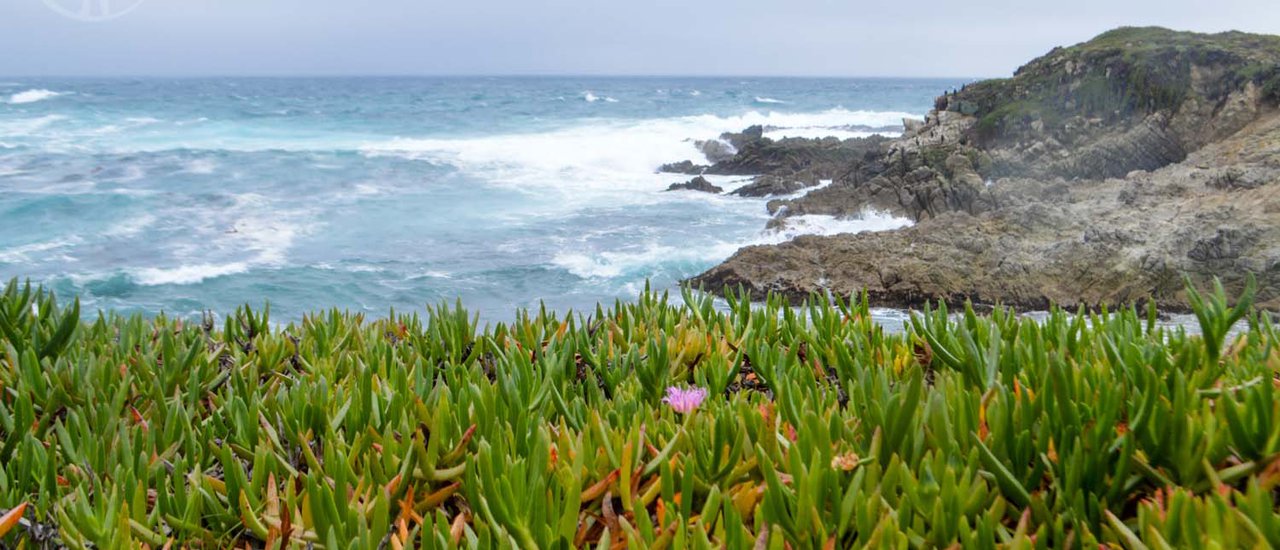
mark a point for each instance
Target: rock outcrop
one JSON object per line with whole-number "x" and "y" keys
{"x": 698, "y": 183}
{"x": 1099, "y": 173}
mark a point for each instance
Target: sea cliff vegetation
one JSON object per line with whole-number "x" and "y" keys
{"x": 1122, "y": 75}
{"x": 658, "y": 423}
{"x": 1099, "y": 173}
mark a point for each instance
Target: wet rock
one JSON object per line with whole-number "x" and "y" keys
{"x": 696, "y": 184}
{"x": 716, "y": 150}
{"x": 772, "y": 186}
{"x": 682, "y": 167}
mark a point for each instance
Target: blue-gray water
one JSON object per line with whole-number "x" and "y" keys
{"x": 188, "y": 195}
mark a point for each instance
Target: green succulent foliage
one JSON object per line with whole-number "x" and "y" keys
{"x": 820, "y": 430}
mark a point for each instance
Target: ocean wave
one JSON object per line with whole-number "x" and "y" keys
{"x": 607, "y": 160}
{"x": 186, "y": 274}
{"x": 651, "y": 258}
{"x": 32, "y": 96}
{"x": 590, "y": 97}
{"x": 42, "y": 251}
{"x": 201, "y": 166}
{"x": 24, "y": 127}
{"x": 130, "y": 227}
{"x": 221, "y": 236}
{"x": 838, "y": 132}
{"x": 769, "y": 100}
{"x": 612, "y": 264}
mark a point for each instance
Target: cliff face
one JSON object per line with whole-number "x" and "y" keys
{"x": 1130, "y": 99}
{"x": 1098, "y": 173}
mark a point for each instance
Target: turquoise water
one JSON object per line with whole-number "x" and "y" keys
{"x": 367, "y": 194}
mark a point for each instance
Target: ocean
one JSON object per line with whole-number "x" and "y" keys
{"x": 366, "y": 194}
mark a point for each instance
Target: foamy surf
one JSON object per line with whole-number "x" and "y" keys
{"x": 613, "y": 154}
{"x": 32, "y": 96}
{"x": 816, "y": 224}
{"x": 638, "y": 260}
{"x": 192, "y": 195}
{"x": 590, "y": 97}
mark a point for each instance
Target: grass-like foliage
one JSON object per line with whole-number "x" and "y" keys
{"x": 654, "y": 424}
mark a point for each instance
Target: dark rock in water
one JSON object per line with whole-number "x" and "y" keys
{"x": 826, "y": 158}
{"x": 683, "y": 167}
{"x": 738, "y": 140}
{"x": 696, "y": 184}
{"x": 772, "y": 186}
{"x": 716, "y": 150}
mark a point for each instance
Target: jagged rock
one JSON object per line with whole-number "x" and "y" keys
{"x": 912, "y": 126}
{"x": 741, "y": 139}
{"x": 716, "y": 150}
{"x": 772, "y": 186}
{"x": 696, "y": 184}
{"x": 1099, "y": 173}
{"x": 683, "y": 167}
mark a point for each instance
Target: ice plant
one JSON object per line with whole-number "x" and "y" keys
{"x": 684, "y": 400}
{"x": 341, "y": 432}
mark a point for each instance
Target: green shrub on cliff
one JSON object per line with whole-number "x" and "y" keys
{"x": 803, "y": 428}
{"x": 1120, "y": 75}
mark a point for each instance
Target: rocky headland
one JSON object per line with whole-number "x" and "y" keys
{"x": 1100, "y": 173}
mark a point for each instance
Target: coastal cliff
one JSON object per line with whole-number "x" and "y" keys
{"x": 1099, "y": 173}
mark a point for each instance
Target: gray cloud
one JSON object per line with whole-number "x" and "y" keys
{"x": 705, "y": 37}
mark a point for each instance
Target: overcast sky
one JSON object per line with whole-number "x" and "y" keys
{"x": 973, "y": 38}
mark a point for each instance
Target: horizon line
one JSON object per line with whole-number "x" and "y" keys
{"x": 494, "y": 75}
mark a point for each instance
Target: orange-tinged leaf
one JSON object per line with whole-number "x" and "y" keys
{"x": 10, "y": 518}
{"x": 458, "y": 527}
{"x": 406, "y": 504}
{"x": 595, "y": 491}
{"x": 983, "y": 431}
{"x": 393, "y": 484}
{"x": 438, "y": 497}
{"x": 138, "y": 419}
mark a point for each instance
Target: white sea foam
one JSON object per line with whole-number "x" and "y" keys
{"x": 431, "y": 274}
{"x": 131, "y": 226}
{"x": 41, "y": 251}
{"x": 604, "y": 161}
{"x": 186, "y": 274}
{"x": 824, "y": 132}
{"x": 201, "y": 166}
{"x": 250, "y": 232}
{"x": 592, "y": 98}
{"x": 23, "y": 127}
{"x": 32, "y": 96}
{"x": 768, "y": 100}
{"x": 814, "y": 224}
{"x": 611, "y": 264}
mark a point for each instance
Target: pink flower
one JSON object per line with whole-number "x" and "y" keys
{"x": 684, "y": 401}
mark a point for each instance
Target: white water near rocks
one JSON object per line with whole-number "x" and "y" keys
{"x": 369, "y": 194}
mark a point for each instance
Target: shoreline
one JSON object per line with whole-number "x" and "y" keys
{"x": 1024, "y": 193}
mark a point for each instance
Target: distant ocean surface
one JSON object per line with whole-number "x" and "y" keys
{"x": 366, "y": 194}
